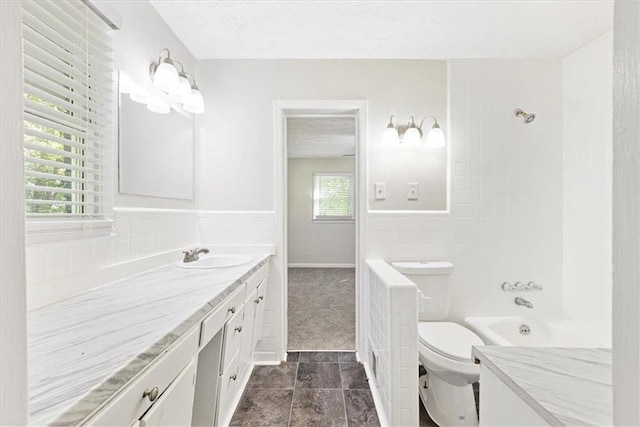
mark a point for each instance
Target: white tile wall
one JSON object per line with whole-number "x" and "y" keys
{"x": 236, "y": 227}
{"x": 142, "y": 238}
{"x": 393, "y": 336}
{"x": 505, "y": 222}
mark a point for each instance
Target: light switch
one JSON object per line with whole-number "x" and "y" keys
{"x": 381, "y": 190}
{"x": 413, "y": 191}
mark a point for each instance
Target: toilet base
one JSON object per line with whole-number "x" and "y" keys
{"x": 448, "y": 404}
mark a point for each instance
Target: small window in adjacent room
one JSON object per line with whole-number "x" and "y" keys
{"x": 332, "y": 197}
{"x": 68, "y": 121}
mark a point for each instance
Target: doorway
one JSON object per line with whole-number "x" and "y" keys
{"x": 321, "y": 231}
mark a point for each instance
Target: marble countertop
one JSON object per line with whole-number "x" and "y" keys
{"x": 565, "y": 386}
{"x": 84, "y": 350}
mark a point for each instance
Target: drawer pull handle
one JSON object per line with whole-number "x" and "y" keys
{"x": 261, "y": 297}
{"x": 239, "y": 328}
{"x": 234, "y": 377}
{"x": 151, "y": 394}
{"x": 232, "y": 309}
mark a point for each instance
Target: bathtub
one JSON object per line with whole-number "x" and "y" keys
{"x": 530, "y": 332}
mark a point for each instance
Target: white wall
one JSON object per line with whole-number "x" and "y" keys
{"x": 236, "y": 132}
{"x": 148, "y": 231}
{"x": 587, "y": 164}
{"x": 309, "y": 242}
{"x": 626, "y": 214}
{"x": 13, "y": 321}
{"x": 506, "y": 218}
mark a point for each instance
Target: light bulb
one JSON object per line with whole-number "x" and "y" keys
{"x": 435, "y": 138}
{"x": 157, "y": 105}
{"x": 166, "y": 76}
{"x": 411, "y": 136}
{"x": 391, "y": 136}
{"x": 195, "y": 103}
{"x": 182, "y": 91}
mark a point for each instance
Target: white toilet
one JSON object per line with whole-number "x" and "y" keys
{"x": 444, "y": 347}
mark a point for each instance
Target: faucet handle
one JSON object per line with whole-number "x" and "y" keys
{"x": 508, "y": 287}
{"x": 534, "y": 286}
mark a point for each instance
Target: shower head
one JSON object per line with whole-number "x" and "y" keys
{"x": 526, "y": 117}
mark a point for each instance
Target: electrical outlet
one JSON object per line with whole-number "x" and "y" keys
{"x": 413, "y": 191}
{"x": 380, "y": 190}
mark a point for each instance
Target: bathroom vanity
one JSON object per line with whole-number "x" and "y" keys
{"x": 170, "y": 346}
{"x": 538, "y": 386}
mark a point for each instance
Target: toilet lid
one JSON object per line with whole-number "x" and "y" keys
{"x": 449, "y": 339}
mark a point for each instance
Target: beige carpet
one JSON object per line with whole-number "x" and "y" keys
{"x": 321, "y": 309}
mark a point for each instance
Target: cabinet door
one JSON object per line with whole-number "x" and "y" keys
{"x": 246, "y": 348}
{"x": 175, "y": 405}
{"x": 259, "y": 317}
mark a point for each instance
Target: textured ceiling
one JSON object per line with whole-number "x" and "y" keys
{"x": 385, "y": 29}
{"x": 320, "y": 136}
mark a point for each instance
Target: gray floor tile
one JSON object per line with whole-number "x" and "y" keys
{"x": 318, "y": 375}
{"x": 347, "y": 356}
{"x": 318, "y": 408}
{"x": 361, "y": 410}
{"x": 353, "y": 376}
{"x": 318, "y": 356}
{"x": 292, "y": 356}
{"x": 263, "y": 408}
{"x": 281, "y": 376}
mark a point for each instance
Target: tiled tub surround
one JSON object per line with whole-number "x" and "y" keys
{"x": 84, "y": 350}
{"x": 564, "y": 386}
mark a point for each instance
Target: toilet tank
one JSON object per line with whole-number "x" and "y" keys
{"x": 433, "y": 279}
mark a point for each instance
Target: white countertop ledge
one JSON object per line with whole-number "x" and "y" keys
{"x": 565, "y": 386}
{"x": 84, "y": 350}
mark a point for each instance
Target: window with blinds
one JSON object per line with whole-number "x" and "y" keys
{"x": 333, "y": 197}
{"x": 68, "y": 118}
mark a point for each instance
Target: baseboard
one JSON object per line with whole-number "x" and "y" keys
{"x": 319, "y": 265}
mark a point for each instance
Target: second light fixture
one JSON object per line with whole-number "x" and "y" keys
{"x": 412, "y": 135}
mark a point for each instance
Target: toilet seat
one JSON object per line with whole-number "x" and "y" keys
{"x": 448, "y": 339}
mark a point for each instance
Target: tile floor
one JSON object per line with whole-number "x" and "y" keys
{"x": 321, "y": 309}
{"x": 309, "y": 389}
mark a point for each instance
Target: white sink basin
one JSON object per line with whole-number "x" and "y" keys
{"x": 216, "y": 261}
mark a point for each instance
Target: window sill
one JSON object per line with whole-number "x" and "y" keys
{"x": 333, "y": 221}
{"x": 48, "y": 230}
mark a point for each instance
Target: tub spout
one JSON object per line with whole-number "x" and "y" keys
{"x": 524, "y": 302}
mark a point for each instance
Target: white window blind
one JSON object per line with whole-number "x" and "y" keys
{"x": 68, "y": 118}
{"x": 333, "y": 197}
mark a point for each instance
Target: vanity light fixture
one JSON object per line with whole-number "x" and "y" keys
{"x": 176, "y": 84}
{"x": 412, "y": 135}
{"x": 163, "y": 73}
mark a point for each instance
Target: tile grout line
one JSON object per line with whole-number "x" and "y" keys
{"x": 344, "y": 400}
{"x": 293, "y": 393}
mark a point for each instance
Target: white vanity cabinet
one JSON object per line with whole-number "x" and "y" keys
{"x": 149, "y": 388}
{"x": 199, "y": 379}
{"x": 175, "y": 406}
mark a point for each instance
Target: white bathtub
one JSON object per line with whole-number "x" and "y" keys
{"x": 543, "y": 332}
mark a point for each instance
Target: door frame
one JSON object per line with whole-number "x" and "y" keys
{"x": 287, "y": 108}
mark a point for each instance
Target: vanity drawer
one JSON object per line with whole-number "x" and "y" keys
{"x": 229, "y": 388}
{"x": 132, "y": 402}
{"x": 215, "y": 321}
{"x": 257, "y": 278}
{"x": 234, "y": 330}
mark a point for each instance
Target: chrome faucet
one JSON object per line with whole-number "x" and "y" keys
{"x": 524, "y": 302}
{"x": 193, "y": 254}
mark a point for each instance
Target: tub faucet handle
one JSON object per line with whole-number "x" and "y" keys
{"x": 508, "y": 287}
{"x": 534, "y": 286}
